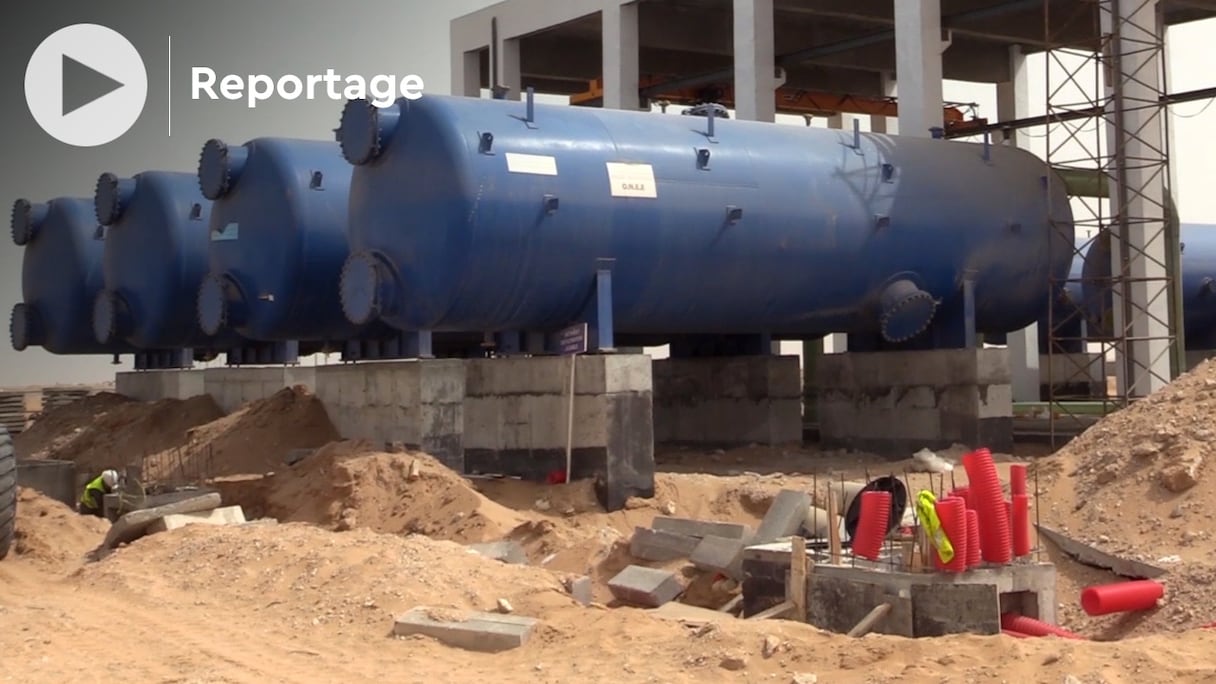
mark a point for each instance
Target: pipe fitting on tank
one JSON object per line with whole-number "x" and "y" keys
{"x": 26, "y": 220}
{"x": 25, "y": 328}
{"x": 907, "y": 310}
{"x": 368, "y": 288}
{"x": 365, "y": 130}
{"x": 112, "y": 197}
{"x": 111, "y": 317}
{"x": 220, "y": 167}
{"x": 221, "y": 305}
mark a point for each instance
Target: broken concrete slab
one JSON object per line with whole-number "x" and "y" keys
{"x": 784, "y": 517}
{"x": 483, "y": 632}
{"x": 715, "y": 554}
{"x": 135, "y": 524}
{"x": 700, "y": 528}
{"x": 648, "y": 587}
{"x": 227, "y": 515}
{"x": 505, "y": 551}
{"x": 660, "y": 546}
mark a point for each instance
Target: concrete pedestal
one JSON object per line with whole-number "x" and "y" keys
{"x": 895, "y": 403}
{"x": 155, "y": 385}
{"x": 1077, "y": 376}
{"x": 515, "y": 421}
{"x": 922, "y": 604}
{"x": 233, "y": 387}
{"x": 728, "y": 401}
{"x": 416, "y": 402}
{"x": 53, "y": 478}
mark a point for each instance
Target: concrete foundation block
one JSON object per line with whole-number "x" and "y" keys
{"x": 716, "y": 554}
{"x": 160, "y": 384}
{"x": 895, "y": 403}
{"x": 784, "y": 517}
{"x": 658, "y": 546}
{"x": 515, "y": 418}
{"x": 728, "y": 400}
{"x": 232, "y": 388}
{"x": 505, "y": 551}
{"x": 580, "y": 590}
{"x": 227, "y": 515}
{"x": 700, "y": 528}
{"x": 483, "y": 632}
{"x": 646, "y": 587}
{"x": 53, "y": 478}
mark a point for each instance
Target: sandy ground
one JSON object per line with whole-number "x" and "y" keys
{"x": 367, "y": 535}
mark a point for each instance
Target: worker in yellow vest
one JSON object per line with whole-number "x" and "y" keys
{"x": 92, "y": 501}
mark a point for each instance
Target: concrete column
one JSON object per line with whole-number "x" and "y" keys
{"x": 620, "y": 56}
{"x": 509, "y": 69}
{"x": 882, "y": 124}
{"x": 918, "y": 59}
{"x": 466, "y": 74}
{"x": 755, "y": 61}
{"x": 1139, "y": 134}
{"x": 1013, "y": 102}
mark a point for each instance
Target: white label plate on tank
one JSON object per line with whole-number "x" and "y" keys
{"x": 539, "y": 164}
{"x": 632, "y": 180}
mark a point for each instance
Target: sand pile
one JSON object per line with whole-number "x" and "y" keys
{"x": 311, "y": 577}
{"x": 253, "y": 439}
{"x": 1137, "y": 482}
{"x": 51, "y": 533}
{"x": 108, "y": 431}
{"x": 348, "y": 485}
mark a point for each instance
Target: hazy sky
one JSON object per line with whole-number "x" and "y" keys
{"x": 370, "y": 37}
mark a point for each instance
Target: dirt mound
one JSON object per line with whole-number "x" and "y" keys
{"x": 312, "y": 577}
{"x": 50, "y": 532}
{"x": 60, "y": 421}
{"x": 348, "y": 485}
{"x": 122, "y": 431}
{"x": 253, "y": 439}
{"x": 1136, "y": 483}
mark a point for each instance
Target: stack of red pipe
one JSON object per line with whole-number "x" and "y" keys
{"x": 952, "y": 513}
{"x": 988, "y": 500}
{"x": 872, "y": 524}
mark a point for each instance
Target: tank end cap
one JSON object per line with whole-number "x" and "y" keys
{"x": 23, "y": 327}
{"x": 26, "y": 219}
{"x": 907, "y": 311}
{"x": 214, "y": 312}
{"x": 366, "y": 288}
{"x": 111, "y": 197}
{"x": 219, "y": 168}
{"x": 365, "y": 130}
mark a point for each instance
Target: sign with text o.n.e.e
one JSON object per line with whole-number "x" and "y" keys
{"x": 632, "y": 180}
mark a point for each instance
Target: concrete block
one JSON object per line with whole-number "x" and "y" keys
{"x": 135, "y": 524}
{"x": 53, "y": 478}
{"x": 160, "y": 384}
{"x": 645, "y": 586}
{"x": 483, "y": 632}
{"x": 941, "y": 609}
{"x": 505, "y": 551}
{"x": 784, "y": 517}
{"x": 700, "y": 528}
{"x": 658, "y": 546}
{"x": 228, "y": 515}
{"x": 580, "y": 589}
{"x": 715, "y": 554}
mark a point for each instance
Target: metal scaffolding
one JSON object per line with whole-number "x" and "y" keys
{"x": 1106, "y": 135}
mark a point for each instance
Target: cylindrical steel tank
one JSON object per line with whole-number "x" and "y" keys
{"x": 466, "y": 215}
{"x": 1198, "y": 274}
{"x": 156, "y": 255}
{"x": 277, "y": 239}
{"x": 1068, "y": 324}
{"x": 61, "y": 275}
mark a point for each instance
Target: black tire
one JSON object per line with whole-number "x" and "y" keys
{"x": 8, "y": 492}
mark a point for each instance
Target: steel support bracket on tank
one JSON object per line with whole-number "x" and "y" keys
{"x": 405, "y": 345}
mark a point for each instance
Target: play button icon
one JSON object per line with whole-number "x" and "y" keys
{"x": 86, "y": 85}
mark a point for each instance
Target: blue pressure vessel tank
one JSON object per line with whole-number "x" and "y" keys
{"x": 61, "y": 275}
{"x": 1198, "y": 275}
{"x": 277, "y": 239}
{"x": 1068, "y": 314}
{"x": 472, "y": 214}
{"x": 156, "y": 247}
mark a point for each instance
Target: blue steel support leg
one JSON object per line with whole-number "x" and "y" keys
{"x": 604, "y": 333}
